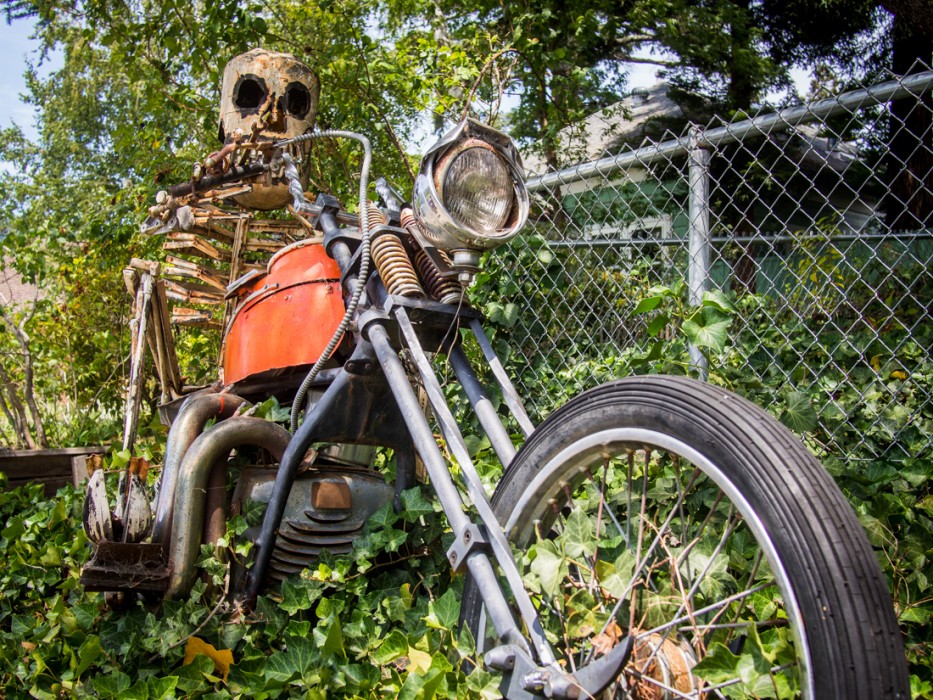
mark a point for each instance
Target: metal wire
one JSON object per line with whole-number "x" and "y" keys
{"x": 299, "y": 203}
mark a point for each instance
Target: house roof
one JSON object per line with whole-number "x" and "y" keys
{"x": 14, "y": 290}
{"x": 628, "y": 121}
{"x": 602, "y": 131}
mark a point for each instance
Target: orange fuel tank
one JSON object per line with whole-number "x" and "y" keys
{"x": 285, "y": 317}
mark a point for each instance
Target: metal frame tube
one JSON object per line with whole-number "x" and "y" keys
{"x": 509, "y": 392}
{"x": 474, "y": 485}
{"x": 285, "y": 477}
{"x": 193, "y": 474}
{"x": 699, "y": 236}
{"x": 488, "y": 418}
{"x": 441, "y": 481}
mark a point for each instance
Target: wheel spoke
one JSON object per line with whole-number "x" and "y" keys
{"x": 663, "y": 510}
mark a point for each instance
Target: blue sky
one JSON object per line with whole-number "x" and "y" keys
{"x": 15, "y": 46}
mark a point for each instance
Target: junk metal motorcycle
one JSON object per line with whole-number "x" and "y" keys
{"x": 692, "y": 525}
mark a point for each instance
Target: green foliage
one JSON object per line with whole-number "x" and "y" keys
{"x": 855, "y": 390}
{"x": 378, "y": 622}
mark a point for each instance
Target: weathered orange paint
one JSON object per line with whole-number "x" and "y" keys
{"x": 287, "y": 316}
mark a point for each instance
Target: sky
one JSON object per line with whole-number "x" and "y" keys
{"x": 15, "y": 46}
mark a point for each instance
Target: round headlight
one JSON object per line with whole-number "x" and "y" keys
{"x": 470, "y": 193}
{"x": 477, "y": 189}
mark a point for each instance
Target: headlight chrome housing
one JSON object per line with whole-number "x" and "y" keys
{"x": 470, "y": 192}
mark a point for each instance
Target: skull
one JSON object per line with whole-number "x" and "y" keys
{"x": 267, "y": 97}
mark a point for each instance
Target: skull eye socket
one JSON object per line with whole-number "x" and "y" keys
{"x": 297, "y": 100}
{"x": 250, "y": 92}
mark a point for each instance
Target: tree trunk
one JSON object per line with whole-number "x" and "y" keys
{"x": 14, "y": 409}
{"x": 909, "y": 201}
{"x": 740, "y": 95}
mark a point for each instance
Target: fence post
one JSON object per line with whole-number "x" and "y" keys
{"x": 698, "y": 235}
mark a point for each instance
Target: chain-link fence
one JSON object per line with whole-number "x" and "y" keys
{"x": 788, "y": 256}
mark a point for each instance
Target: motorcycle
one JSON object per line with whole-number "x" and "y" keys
{"x": 692, "y": 526}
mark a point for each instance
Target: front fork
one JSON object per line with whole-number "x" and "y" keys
{"x": 528, "y": 664}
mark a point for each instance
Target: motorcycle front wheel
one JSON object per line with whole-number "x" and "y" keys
{"x": 684, "y": 516}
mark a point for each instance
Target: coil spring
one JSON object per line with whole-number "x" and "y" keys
{"x": 444, "y": 290}
{"x": 391, "y": 258}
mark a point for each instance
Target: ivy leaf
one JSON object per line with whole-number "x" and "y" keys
{"x": 799, "y": 414}
{"x": 139, "y": 691}
{"x": 14, "y": 529}
{"x": 579, "y": 535}
{"x": 495, "y": 312}
{"x": 722, "y": 666}
{"x": 718, "y": 300}
{"x": 511, "y": 314}
{"x": 415, "y": 504}
{"x": 298, "y": 594}
{"x": 549, "y": 566}
{"x": 162, "y": 688}
{"x": 392, "y": 647}
{"x": 112, "y": 685}
{"x": 331, "y": 641}
{"x": 444, "y": 612}
{"x": 707, "y": 329}
{"x": 295, "y": 661}
{"x": 88, "y": 653}
{"x": 657, "y": 324}
{"x": 395, "y": 539}
{"x": 418, "y": 661}
{"x": 648, "y": 304}
{"x": 383, "y": 517}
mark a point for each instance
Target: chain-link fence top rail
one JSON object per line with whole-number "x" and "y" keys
{"x": 787, "y": 257}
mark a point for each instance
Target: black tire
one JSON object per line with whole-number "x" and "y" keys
{"x": 831, "y": 631}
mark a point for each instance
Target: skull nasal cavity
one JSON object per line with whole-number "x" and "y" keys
{"x": 297, "y": 100}
{"x": 250, "y": 92}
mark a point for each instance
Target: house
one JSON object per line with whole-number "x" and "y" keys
{"x": 795, "y": 180}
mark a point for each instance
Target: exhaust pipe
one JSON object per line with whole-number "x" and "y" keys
{"x": 190, "y": 488}
{"x": 193, "y": 415}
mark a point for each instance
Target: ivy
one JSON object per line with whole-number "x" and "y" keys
{"x": 381, "y": 621}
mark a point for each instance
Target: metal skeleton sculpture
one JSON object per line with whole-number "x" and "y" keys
{"x": 691, "y": 485}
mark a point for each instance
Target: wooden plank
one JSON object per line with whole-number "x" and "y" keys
{"x": 264, "y": 245}
{"x": 54, "y": 468}
{"x": 177, "y": 291}
{"x": 236, "y": 264}
{"x": 163, "y": 318}
{"x": 179, "y": 267}
{"x": 196, "y": 318}
{"x": 194, "y": 244}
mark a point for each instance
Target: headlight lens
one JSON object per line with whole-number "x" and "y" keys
{"x": 470, "y": 194}
{"x": 477, "y": 190}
